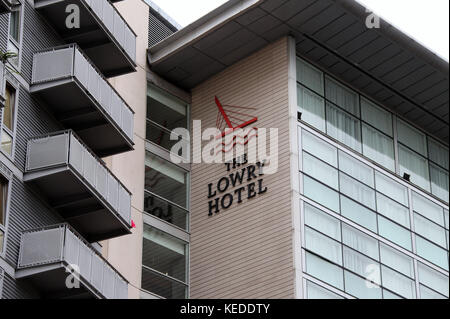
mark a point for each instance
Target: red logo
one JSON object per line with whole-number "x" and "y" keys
{"x": 231, "y": 118}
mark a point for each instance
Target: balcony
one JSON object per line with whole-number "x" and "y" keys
{"x": 103, "y": 34}
{"x": 78, "y": 186}
{"x": 48, "y": 255}
{"x": 82, "y": 99}
{"x": 8, "y": 5}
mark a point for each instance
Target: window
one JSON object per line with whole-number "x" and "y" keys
{"x": 398, "y": 283}
{"x": 378, "y": 147}
{"x": 323, "y": 222}
{"x": 359, "y": 241}
{"x": 312, "y": 108}
{"x": 323, "y": 246}
{"x": 429, "y": 230}
{"x": 432, "y": 252}
{"x": 14, "y": 35}
{"x": 414, "y": 165}
{"x": 361, "y": 288}
{"x": 321, "y": 193}
{"x": 439, "y": 182}
{"x": 357, "y": 191}
{"x": 412, "y": 137}
{"x": 3, "y": 209}
{"x": 309, "y": 76}
{"x": 394, "y": 233}
{"x": 166, "y": 180}
{"x": 8, "y": 114}
{"x": 324, "y": 270}
{"x": 393, "y": 210}
{"x": 396, "y": 260}
{"x": 319, "y": 148}
{"x": 433, "y": 279}
{"x": 320, "y": 170}
{"x": 438, "y": 153}
{"x": 343, "y": 127}
{"x": 362, "y": 265}
{"x": 359, "y": 214}
{"x": 314, "y": 291}
{"x": 164, "y": 114}
{"x": 427, "y": 208}
{"x": 166, "y": 211}
{"x": 376, "y": 117}
{"x": 164, "y": 260}
{"x": 391, "y": 188}
{"x": 342, "y": 96}
{"x": 356, "y": 169}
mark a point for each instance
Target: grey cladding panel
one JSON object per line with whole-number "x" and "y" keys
{"x": 157, "y": 30}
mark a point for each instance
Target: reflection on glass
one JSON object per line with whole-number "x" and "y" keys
{"x": 165, "y": 211}
{"x": 320, "y": 193}
{"x": 325, "y": 271}
{"x": 343, "y": 127}
{"x": 319, "y": 148}
{"x": 378, "y": 147}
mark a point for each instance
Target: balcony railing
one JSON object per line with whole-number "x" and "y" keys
{"x": 48, "y": 256}
{"x": 103, "y": 33}
{"x": 8, "y": 5}
{"x": 83, "y": 100}
{"x": 78, "y": 186}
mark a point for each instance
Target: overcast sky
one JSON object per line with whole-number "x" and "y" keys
{"x": 426, "y": 21}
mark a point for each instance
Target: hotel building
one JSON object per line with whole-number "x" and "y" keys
{"x": 358, "y": 205}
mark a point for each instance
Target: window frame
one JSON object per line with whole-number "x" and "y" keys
{"x": 3, "y": 128}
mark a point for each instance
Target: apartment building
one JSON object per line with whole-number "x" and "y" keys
{"x": 356, "y": 208}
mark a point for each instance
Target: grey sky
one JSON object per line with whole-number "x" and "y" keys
{"x": 425, "y": 21}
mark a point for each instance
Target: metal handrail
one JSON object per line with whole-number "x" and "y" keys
{"x": 81, "y": 238}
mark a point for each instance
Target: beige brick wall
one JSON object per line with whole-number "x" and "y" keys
{"x": 245, "y": 251}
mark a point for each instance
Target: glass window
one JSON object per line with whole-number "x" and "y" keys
{"x": 359, "y": 241}
{"x": 433, "y": 279}
{"x": 397, "y": 260}
{"x": 161, "y": 137}
{"x": 314, "y": 291}
{"x": 378, "y": 147}
{"x": 166, "y": 180}
{"x": 427, "y": 293}
{"x": 6, "y": 143}
{"x": 398, "y": 283}
{"x": 389, "y": 295}
{"x": 166, "y": 211}
{"x": 376, "y": 116}
{"x": 391, "y": 188}
{"x": 343, "y": 127}
{"x": 342, "y": 96}
{"x": 3, "y": 207}
{"x": 164, "y": 260}
{"x": 427, "y": 208}
{"x": 320, "y": 170}
{"x": 439, "y": 182}
{"x": 166, "y": 110}
{"x": 309, "y": 76}
{"x": 8, "y": 120}
{"x": 431, "y": 252}
{"x": 325, "y": 271}
{"x": 322, "y": 221}
{"x": 362, "y": 265}
{"x": 14, "y": 25}
{"x": 356, "y": 169}
{"x": 394, "y": 233}
{"x": 323, "y": 246}
{"x": 393, "y": 210}
{"x": 312, "y": 107}
{"x": 414, "y": 165}
{"x": 446, "y": 216}
{"x": 361, "y": 288}
{"x": 357, "y": 191}
{"x": 319, "y": 148}
{"x": 412, "y": 137}
{"x": 438, "y": 153}
{"x": 320, "y": 193}
{"x": 429, "y": 230}
{"x": 359, "y": 214}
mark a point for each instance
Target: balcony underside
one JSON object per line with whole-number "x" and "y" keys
{"x": 92, "y": 37}
{"x": 77, "y": 203}
{"x": 50, "y": 281}
{"x": 76, "y": 110}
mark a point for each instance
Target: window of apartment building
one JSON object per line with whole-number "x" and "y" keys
{"x": 8, "y": 118}
{"x": 3, "y": 208}
{"x": 363, "y": 126}
{"x": 164, "y": 264}
{"x": 342, "y": 256}
{"x": 164, "y": 114}
{"x": 14, "y": 35}
{"x": 166, "y": 191}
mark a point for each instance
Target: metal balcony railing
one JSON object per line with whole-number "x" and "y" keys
{"x": 78, "y": 185}
{"x": 49, "y": 255}
{"x": 102, "y": 33}
{"x": 82, "y": 99}
{"x": 9, "y": 5}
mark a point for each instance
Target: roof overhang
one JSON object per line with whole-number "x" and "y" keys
{"x": 382, "y": 63}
